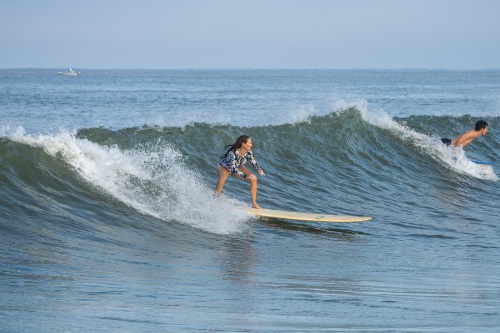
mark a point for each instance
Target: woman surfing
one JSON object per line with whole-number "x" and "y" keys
{"x": 232, "y": 163}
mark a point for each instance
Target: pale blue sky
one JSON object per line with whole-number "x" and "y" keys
{"x": 162, "y": 34}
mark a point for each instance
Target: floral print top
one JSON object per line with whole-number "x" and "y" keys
{"x": 233, "y": 160}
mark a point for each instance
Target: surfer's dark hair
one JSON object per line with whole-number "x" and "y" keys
{"x": 239, "y": 142}
{"x": 480, "y": 124}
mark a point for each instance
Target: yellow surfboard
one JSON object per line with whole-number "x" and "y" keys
{"x": 298, "y": 216}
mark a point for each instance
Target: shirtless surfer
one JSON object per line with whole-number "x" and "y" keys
{"x": 465, "y": 138}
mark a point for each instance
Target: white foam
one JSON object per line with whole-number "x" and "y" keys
{"x": 302, "y": 115}
{"x": 153, "y": 180}
{"x": 457, "y": 159}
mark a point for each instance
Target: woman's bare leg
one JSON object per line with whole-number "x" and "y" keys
{"x": 253, "y": 191}
{"x": 223, "y": 174}
{"x": 252, "y": 180}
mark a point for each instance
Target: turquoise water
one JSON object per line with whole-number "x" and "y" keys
{"x": 108, "y": 220}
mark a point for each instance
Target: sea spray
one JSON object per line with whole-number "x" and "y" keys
{"x": 153, "y": 179}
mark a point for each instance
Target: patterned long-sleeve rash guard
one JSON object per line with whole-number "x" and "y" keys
{"x": 233, "y": 160}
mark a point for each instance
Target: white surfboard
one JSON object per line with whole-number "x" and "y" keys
{"x": 298, "y": 216}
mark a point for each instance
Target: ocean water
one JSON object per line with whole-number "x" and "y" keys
{"x": 108, "y": 221}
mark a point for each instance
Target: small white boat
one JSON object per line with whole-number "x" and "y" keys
{"x": 70, "y": 72}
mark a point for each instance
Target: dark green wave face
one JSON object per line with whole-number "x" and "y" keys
{"x": 348, "y": 162}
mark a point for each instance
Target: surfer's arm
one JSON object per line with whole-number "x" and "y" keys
{"x": 465, "y": 138}
{"x": 254, "y": 163}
